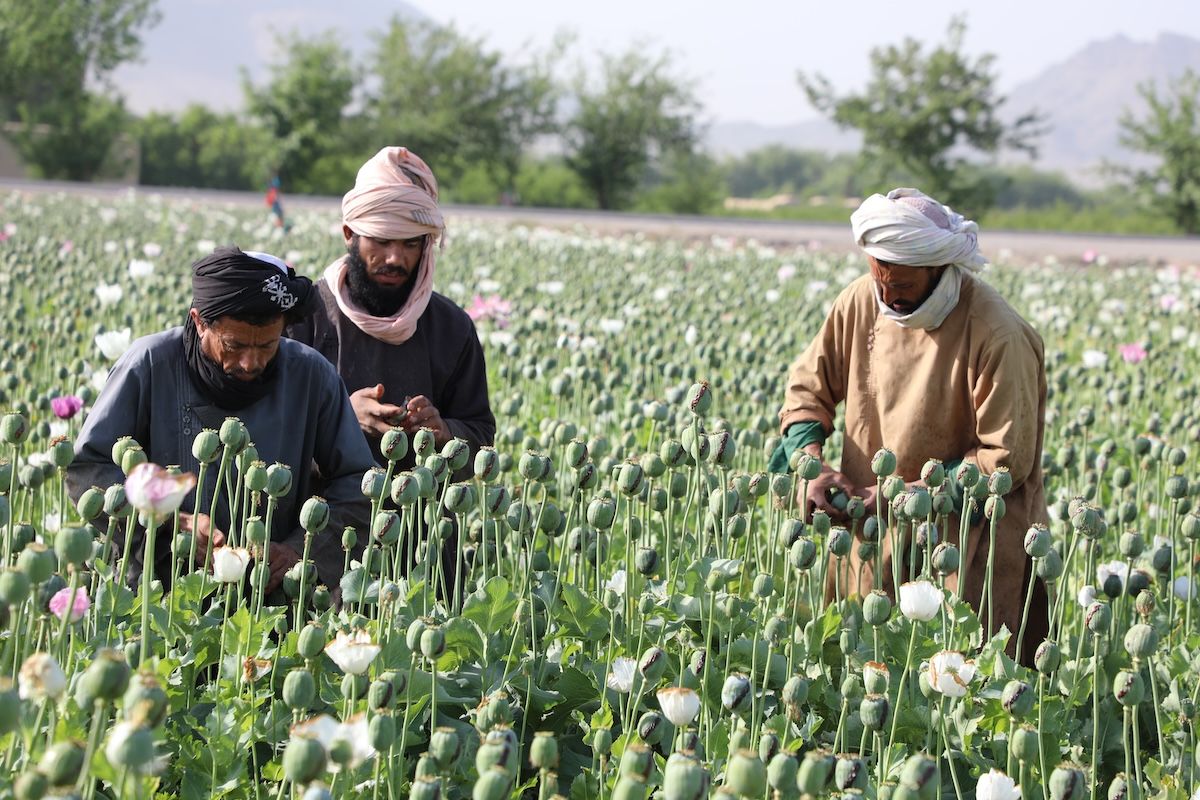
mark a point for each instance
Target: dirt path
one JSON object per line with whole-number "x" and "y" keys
{"x": 997, "y": 245}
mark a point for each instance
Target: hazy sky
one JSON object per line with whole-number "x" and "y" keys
{"x": 743, "y": 55}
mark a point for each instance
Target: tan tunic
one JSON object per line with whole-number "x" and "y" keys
{"x": 973, "y": 388}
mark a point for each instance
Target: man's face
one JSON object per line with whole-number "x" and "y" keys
{"x": 242, "y": 350}
{"x": 902, "y": 288}
{"x": 382, "y": 271}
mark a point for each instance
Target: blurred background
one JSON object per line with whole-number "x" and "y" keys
{"x": 1056, "y": 116}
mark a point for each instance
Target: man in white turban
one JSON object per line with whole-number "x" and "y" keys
{"x": 931, "y": 363}
{"x": 409, "y": 356}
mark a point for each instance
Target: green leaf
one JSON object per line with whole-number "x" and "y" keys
{"x": 580, "y": 615}
{"x": 492, "y": 606}
{"x": 357, "y": 588}
{"x": 464, "y": 642}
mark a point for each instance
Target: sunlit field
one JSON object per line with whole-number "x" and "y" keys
{"x": 641, "y": 610}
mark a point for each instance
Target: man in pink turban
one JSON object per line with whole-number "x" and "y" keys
{"x": 409, "y": 356}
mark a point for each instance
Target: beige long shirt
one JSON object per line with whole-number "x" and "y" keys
{"x": 973, "y": 388}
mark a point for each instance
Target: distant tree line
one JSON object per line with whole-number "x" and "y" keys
{"x": 625, "y": 134}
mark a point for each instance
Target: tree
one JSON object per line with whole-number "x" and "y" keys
{"x": 684, "y": 183}
{"x": 303, "y": 105}
{"x": 637, "y": 113}
{"x": 926, "y": 113}
{"x": 199, "y": 147}
{"x": 1170, "y": 132}
{"x": 456, "y": 103}
{"x": 774, "y": 169}
{"x": 56, "y": 57}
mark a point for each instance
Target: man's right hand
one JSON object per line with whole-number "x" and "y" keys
{"x": 818, "y": 493}
{"x": 200, "y": 526}
{"x": 374, "y": 416}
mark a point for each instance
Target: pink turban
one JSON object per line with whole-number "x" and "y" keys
{"x": 394, "y": 197}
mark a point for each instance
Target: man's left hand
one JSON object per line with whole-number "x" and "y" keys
{"x": 424, "y": 414}
{"x": 282, "y": 558}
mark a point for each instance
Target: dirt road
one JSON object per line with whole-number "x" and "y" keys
{"x": 1067, "y": 247}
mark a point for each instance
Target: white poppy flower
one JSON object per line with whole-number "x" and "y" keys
{"x": 551, "y": 287}
{"x": 1094, "y": 359}
{"x": 620, "y": 677}
{"x": 617, "y": 582}
{"x": 1086, "y": 596}
{"x": 1118, "y": 568}
{"x": 328, "y": 731}
{"x": 108, "y": 293}
{"x": 501, "y": 338}
{"x": 679, "y": 704}
{"x": 920, "y": 600}
{"x": 1184, "y": 588}
{"x": 229, "y": 563}
{"x": 995, "y": 785}
{"x": 140, "y": 269}
{"x": 950, "y": 673}
{"x": 113, "y": 344}
{"x": 352, "y": 652}
{"x": 609, "y": 325}
{"x": 40, "y": 677}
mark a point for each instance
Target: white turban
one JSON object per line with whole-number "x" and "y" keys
{"x": 912, "y": 229}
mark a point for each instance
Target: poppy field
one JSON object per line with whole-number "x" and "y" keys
{"x": 638, "y": 608}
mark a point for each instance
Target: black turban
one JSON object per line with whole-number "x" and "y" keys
{"x": 249, "y": 286}
{"x": 232, "y": 283}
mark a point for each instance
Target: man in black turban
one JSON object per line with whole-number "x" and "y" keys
{"x": 240, "y": 304}
{"x": 229, "y": 359}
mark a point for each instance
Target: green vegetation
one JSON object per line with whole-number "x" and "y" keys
{"x": 1170, "y": 132}
{"x": 927, "y": 113}
{"x": 561, "y": 128}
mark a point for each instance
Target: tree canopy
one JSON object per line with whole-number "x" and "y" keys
{"x": 56, "y": 57}
{"x": 637, "y": 111}
{"x": 1169, "y": 131}
{"x": 932, "y": 114}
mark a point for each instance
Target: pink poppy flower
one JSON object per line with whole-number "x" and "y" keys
{"x": 152, "y": 490}
{"x": 1168, "y": 302}
{"x": 1089, "y": 256}
{"x": 63, "y": 603}
{"x": 1132, "y": 353}
{"x": 66, "y": 406}
{"x": 493, "y": 308}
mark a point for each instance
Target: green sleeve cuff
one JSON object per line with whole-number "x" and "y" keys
{"x": 798, "y": 436}
{"x": 952, "y": 465}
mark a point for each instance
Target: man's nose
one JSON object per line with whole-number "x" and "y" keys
{"x": 394, "y": 256}
{"x": 251, "y": 362}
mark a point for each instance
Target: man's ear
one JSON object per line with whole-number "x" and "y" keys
{"x": 196, "y": 320}
{"x": 347, "y": 234}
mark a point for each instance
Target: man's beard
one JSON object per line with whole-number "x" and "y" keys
{"x": 376, "y": 300}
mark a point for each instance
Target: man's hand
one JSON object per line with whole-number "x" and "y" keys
{"x": 818, "y": 489}
{"x": 374, "y": 416}
{"x": 201, "y": 527}
{"x": 423, "y": 414}
{"x": 281, "y": 559}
